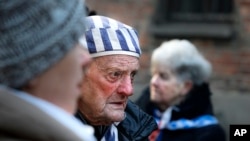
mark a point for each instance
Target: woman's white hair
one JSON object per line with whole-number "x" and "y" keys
{"x": 183, "y": 58}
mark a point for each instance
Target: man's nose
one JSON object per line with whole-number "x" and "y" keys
{"x": 126, "y": 86}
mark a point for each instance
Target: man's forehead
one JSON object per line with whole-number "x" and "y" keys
{"x": 120, "y": 61}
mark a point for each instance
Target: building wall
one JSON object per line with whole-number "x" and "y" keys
{"x": 230, "y": 58}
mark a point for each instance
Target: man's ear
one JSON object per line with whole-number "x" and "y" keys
{"x": 187, "y": 86}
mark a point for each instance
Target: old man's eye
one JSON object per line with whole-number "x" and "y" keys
{"x": 113, "y": 76}
{"x": 132, "y": 75}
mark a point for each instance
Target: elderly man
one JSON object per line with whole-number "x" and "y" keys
{"x": 41, "y": 67}
{"x": 109, "y": 82}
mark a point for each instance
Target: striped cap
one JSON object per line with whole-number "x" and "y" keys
{"x": 106, "y": 36}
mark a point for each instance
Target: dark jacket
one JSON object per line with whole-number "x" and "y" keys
{"x": 196, "y": 104}
{"x": 137, "y": 125}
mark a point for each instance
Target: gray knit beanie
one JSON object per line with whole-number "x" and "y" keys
{"x": 36, "y": 34}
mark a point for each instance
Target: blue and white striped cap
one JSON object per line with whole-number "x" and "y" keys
{"x": 106, "y": 36}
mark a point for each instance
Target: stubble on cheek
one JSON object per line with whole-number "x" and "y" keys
{"x": 115, "y": 112}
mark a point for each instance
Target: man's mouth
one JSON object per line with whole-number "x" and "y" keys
{"x": 119, "y": 104}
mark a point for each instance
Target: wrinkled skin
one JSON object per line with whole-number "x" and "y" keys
{"x": 165, "y": 87}
{"x": 105, "y": 90}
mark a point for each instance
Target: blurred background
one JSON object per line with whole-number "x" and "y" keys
{"x": 219, "y": 28}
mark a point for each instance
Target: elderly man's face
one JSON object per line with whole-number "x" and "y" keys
{"x": 107, "y": 85}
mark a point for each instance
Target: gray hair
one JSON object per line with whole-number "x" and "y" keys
{"x": 183, "y": 58}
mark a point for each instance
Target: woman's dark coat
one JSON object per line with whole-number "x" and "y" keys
{"x": 197, "y": 103}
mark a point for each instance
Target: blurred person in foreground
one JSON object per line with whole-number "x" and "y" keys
{"x": 41, "y": 70}
{"x": 108, "y": 82}
{"x": 179, "y": 94}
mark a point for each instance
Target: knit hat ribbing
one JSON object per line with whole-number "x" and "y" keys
{"x": 106, "y": 36}
{"x": 35, "y": 34}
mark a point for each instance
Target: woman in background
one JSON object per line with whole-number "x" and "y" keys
{"x": 179, "y": 95}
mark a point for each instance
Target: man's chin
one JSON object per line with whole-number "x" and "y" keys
{"x": 118, "y": 117}
{"x": 111, "y": 120}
